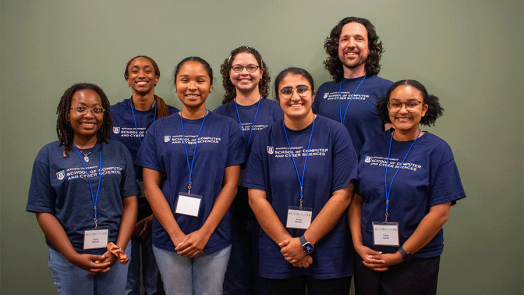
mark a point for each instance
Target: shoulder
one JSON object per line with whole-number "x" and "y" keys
{"x": 326, "y": 85}
{"x": 436, "y": 144}
{"x": 221, "y": 110}
{"x": 172, "y": 110}
{"x": 125, "y": 104}
{"x": 379, "y": 82}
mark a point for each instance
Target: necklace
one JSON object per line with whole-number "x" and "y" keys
{"x": 86, "y": 156}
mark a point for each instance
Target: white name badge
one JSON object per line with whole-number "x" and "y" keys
{"x": 299, "y": 218}
{"x": 188, "y": 204}
{"x": 95, "y": 238}
{"x": 385, "y": 233}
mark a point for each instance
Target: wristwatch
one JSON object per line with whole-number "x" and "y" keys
{"x": 306, "y": 246}
{"x": 405, "y": 254}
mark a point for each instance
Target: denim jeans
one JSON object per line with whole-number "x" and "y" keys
{"x": 242, "y": 276}
{"x": 150, "y": 274}
{"x": 185, "y": 276}
{"x": 70, "y": 279}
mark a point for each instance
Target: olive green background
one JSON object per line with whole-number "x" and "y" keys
{"x": 467, "y": 52}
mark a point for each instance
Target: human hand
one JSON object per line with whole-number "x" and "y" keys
{"x": 93, "y": 264}
{"x": 292, "y": 250}
{"x": 143, "y": 227}
{"x": 371, "y": 258}
{"x": 304, "y": 262}
{"x": 193, "y": 244}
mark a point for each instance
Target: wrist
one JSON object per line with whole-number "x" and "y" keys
{"x": 307, "y": 247}
{"x": 405, "y": 256}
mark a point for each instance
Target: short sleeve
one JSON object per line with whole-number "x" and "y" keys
{"x": 446, "y": 185}
{"x": 236, "y": 153}
{"x": 255, "y": 168}
{"x": 41, "y": 194}
{"x": 148, "y": 156}
{"x": 344, "y": 159}
{"x": 129, "y": 185}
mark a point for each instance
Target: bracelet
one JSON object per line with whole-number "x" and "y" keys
{"x": 118, "y": 252}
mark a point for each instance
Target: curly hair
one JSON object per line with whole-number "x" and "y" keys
{"x": 434, "y": 109}
{"x": 162, "y": 108}
{"x": 333, "y": 64}
{"x": 63, "y": 127}
{"x": 225, "y": 68}
{"x": 293, "y": 71}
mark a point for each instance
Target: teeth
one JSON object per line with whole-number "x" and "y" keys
{"x": 141, "y": 83}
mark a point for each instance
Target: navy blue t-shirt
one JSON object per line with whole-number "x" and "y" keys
{"x": 124, "y": 129}
{"x": 220, "y": 145}
{"x": 428, "y": 177}
{"x": 330, "y": 166}
{"x": 268, "y": 113}
{"x": 59, "y": 186}
{"x": 362, "y": 120}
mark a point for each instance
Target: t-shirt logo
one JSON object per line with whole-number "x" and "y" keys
{"x": 167, "y": 138}
{"x": 116, "y": 130}
{"x": 270, "y": 150}
{"x": 326, "y": 94}
{"x": 60, "y": 175}
{"x": 368, "y": 159}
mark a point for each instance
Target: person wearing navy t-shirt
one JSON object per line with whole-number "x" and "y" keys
{"x": 408, "y": 181}
{"x": 300, "y": 177}
{"x": 131, "y": 119}
{"x": 246, "y": 81}
{"x": 83, "y": 191}
{"x": 197, "y": 154}
{"x": 354, "y": 51}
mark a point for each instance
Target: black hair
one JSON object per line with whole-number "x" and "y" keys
{"x": 63, "y": 127}
{"x": 434, "y": 109}
{"x": 293, "y": 71}
{"x": 200, "y": 60}
{"x": 333, "y": 64}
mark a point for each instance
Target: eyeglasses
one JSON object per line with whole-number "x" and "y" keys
{"x": 249, "y": 68}
{"x": 396, "y": 106}
{"x": 287, "y": 92}
{"x": 82, "y": 110}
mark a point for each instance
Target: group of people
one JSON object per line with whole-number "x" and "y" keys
{"x": 257, "y": 196}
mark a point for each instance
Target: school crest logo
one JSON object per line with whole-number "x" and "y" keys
{"x": 116, "y": 130}
{"x": 368, "y": 159}
{"x": 60, "y": 175}
{"x": 326, "y": 95}
{"x": 270, "y": 150}
{"x": 167, "y": 138}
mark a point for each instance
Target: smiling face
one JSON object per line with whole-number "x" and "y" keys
{"x": 142, "y": 77}
{"x": 85, "y": 125}
{"x": 245, "y": 81}
{"x": 353, "y": 49}
{"x": 296, "y": 107}
{"x": 193, "y": 85}
{"x": 407, "y": 121}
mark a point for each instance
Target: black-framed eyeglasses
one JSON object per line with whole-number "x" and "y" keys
{"x": 249, "y": 68}
{"x": 287, "y": 92}
{"x": 396, "y": 106}
{"x": 82, "y": 110}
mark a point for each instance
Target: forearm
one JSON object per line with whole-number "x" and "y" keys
{"x": 428, "y": 227}
{"x": 223, "y": 200}
{"x": 266, "y": 216}
{"x": 329, "y": 215}
{"x": 159, "y": 205}
{"x": 55, "y": 233}
{"x": 127, "y": 223}
{"x": 354, "y": 217}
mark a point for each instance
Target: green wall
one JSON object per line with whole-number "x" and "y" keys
{"x": 467, "y": 52}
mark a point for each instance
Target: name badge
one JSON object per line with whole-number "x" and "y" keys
{"x": 188, "y": 204}
{"x": 385, "y": 233}
{"x": 95, "y": 238}
{"x": 299, "y": 218}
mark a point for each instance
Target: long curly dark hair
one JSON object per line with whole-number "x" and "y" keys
{"x": 333, "y": 64}
{"x": 434, "y": 109}
{"x": 162, "y": 109}
{"x": 263, "y": 84}
{"x": 63, "y": 128}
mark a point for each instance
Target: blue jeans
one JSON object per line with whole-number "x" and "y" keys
{"x": 150, "y": 273}
{"x": 185, "y": 276}
{"x": 70, "y": 279}
{"x": 242, "y": 276}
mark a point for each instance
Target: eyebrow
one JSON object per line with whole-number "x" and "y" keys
{"x": 408, "y": 99}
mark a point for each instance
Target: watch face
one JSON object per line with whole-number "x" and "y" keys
{"x": 308, "y": 248}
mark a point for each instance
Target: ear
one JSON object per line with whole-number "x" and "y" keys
{"x": 210, "y": 88}
{"x": 156, "y": 79}
{"x": 424, "y": 110}
{"x": 313, "y": 94}
{"x": 128, "y": 82}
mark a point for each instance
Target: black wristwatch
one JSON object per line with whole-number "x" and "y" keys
{"x": 306, "y": 246}
{"x": 405, "y": 254}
